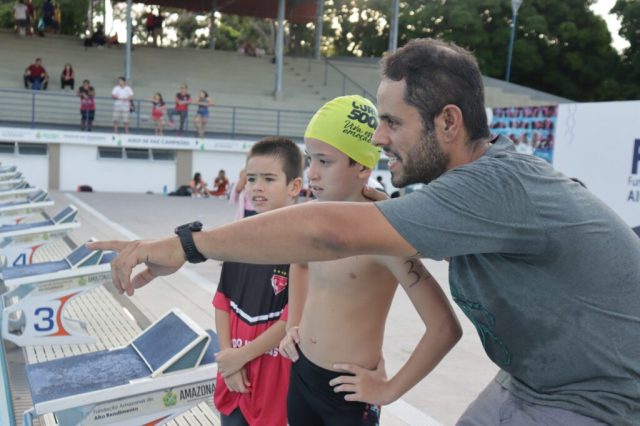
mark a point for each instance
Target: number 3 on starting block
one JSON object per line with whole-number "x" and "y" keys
{"x": 36, "y": 316}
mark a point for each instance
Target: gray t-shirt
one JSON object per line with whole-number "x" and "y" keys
{"x": 547, "y": 273}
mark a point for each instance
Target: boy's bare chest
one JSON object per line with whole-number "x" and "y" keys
{"x": 352, "y": 271}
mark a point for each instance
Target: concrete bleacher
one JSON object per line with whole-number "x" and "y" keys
{"x": 231, "y": 78}
{"x": 366, "y": 73}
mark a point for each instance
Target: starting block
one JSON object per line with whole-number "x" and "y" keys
{"x": 10, "y": 174}
{"x": 18, "y": 194}
{"x": 14, "y": 212}
{"x": 166, "y": 370}
{"x": 7, "y": 185}
{"x": 19, "y": 243}
{"x": 33, "y": 307}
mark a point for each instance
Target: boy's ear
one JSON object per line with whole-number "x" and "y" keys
{"x": 295, "y": 186}
{"x": 364, "y": 172}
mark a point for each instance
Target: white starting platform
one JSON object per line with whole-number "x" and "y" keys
{"x": 19, "y": 243}
{"x": 14, "y": 212}
{"x": 37, "y": 294}
{"x": 10, "y": 174}
{"x": 11, "y": 184}
{"x": 22, "y": 194}
{"x": 164, "y": 371}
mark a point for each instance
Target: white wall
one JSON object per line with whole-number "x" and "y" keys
{"x": 34, "y": 168}
{"x": 595, "y": 142}
{"x": 209, "y": 163}
{"x": 79, "y": 165}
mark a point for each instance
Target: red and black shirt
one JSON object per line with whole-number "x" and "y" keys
{"x": 255, "y": 297}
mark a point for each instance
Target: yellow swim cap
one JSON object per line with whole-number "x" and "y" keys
{"x": 347, "y": 123}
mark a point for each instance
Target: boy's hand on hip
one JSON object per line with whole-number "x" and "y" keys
{"x": 288, "y": 344}
{"x": 369, "y": 386}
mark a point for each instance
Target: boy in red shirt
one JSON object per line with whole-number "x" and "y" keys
{"x": 250, "y": 302}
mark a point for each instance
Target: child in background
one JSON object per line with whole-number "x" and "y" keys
{"x": 252, "y": 381}
{"x": 87, "y": 105}
{"x": 157, "y": 113}
{"x": 202, "y": 114}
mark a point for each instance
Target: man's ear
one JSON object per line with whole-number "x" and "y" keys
{"x": 449, "y": 122}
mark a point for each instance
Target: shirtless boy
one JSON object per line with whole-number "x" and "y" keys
{"x": 340, "y": 329}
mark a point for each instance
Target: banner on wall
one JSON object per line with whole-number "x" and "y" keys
{"x": 599, "y": 143}
{"x": 123, "y": 140}
{"x": 532, "y": 128}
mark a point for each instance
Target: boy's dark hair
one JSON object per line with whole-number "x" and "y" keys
{"x": 283, "y": 148}
{"x": 437, "y": 74}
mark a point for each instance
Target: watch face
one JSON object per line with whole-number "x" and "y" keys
{"x": 196, "y": 226}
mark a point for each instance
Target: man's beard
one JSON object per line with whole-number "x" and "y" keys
{"x": 423, "y": 163}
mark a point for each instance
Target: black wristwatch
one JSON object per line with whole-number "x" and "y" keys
{"x": 185, "y": 233}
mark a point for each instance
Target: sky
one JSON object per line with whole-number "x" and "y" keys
{"x": 602, "y": 7}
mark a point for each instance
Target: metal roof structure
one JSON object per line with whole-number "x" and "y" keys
{"x": 296, "y": 11}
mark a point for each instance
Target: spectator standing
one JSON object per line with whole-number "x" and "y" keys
{"x": 67, "y": 77}
{"x": 183, "y": 99}
{"x": 202, "y": 114}
{"x": 31, "y": 16}
{"x": 87, "y": 105}
{"x": 157, "y": 29}
{"x": 122, "y": 95}
{"x": 57, "y": 17}
{"x": 36, "y": 75}
{"x": 48, "y": 12}
{"x": 157, "y": 113}
{"x": 149, "y": 24}
{"x": 20, "y": 14}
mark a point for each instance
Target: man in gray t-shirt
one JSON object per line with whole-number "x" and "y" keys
{"x": 546, "y": 272}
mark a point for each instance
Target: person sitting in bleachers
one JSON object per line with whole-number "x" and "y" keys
{"x": 36, "y": 75}
{"x": 67, "y": 77}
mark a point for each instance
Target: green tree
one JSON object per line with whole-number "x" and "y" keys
{"x": 561, "y": 46}
{"x": 629, "y": 13}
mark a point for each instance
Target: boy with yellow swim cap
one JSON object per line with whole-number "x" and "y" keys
{"x": 346, "y": 302}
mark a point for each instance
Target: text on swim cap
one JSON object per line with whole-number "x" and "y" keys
{"x": 364, "y": 114}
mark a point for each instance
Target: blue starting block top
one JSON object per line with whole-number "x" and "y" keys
{"x": 81, "y": 256}
{"x": 65, "y": 215}
{"x": 171, "y": 344}
{"x": 84, "y": 373}
{"x": 154, "y": 345}
{"x": 38, "y": 196}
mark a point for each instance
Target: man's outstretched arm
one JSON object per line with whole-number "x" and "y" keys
{"x": 298, "y": 234}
